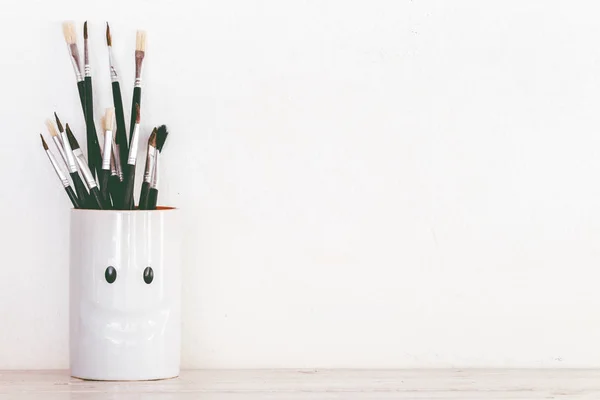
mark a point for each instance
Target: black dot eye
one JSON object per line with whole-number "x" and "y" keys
{"x": 148, "y": 275}
{"x": 110, "y": 274}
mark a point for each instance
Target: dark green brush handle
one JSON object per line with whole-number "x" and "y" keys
{"x": 72, "y": 196}
{"x": 82, "y": 193}
{"x": 103, "y": 182}
{"x": 114, "y": 187}
{"x": 152, "y": 199}
{"x": 94, "y": 155}
{"x": 96, "y": 198}
{"x": 81, "y": 89}
{"x": 121, "y": 135}
{"x": 137, "y": 98}
{"x": 128, "y": 183}
{"x": 143, "y": 205}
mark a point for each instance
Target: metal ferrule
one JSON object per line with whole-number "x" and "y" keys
{"x": 139, "y": 59}
{"x": 74, "y": 53}
{"x": 71, "y": 163}
{"x": 85, "y": 170}
{"x": 113, "y": 169}
{"x": 150, "y": 158}
{"x": 106, "y": 154}
{"x": 86, "y": 59}
{"x": 61, "y": 149}
{"x": 63, "y": 178}
{"x": 133, "y": 150}
{"x": 117, "y": 160}
{"x": 114, "y": 77}
{"x": 154, "y": 181}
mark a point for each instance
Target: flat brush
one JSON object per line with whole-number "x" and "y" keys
{"x": 95, "y": 196}
{"x": 71, "y": 39}
{"x": 121, "y": 135}
{"x": 105, "y": 171}
{"x": 140, "y": 51}
{"x": 161, "y": 138}
{"x": 82, "y": 193}
{"x": 129, "y": 171}
{"x": 63, "y": 178}
{"x": 93, "y": 147}
{"x": 148, "y": 171}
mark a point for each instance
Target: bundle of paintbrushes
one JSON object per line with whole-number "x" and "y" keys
{"x": 106, "y": 178}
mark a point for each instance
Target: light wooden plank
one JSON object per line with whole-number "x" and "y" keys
{"x": 313, "y": 384}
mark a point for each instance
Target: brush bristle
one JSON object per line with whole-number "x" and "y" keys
{"x": 51, "y": 127}
{"x": 60, "y": 127}
{"x": 152, "y": 138}
{"x": 109, "y": 117}
{"x": 161, "y": 136}
{"x": 69, "y": 32}
{"x": 44, "y": 142}
{"x": 140, "y": 41}
{"x": 72, "y": 140}
{"x": 85, "y": 36}
{"x": 108, "y": 37}
{"x": 137, "y": 113}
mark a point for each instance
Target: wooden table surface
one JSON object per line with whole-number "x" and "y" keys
{"x": 314, "y": 384}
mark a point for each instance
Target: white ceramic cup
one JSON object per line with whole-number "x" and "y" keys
{"x": 125, "y": 294}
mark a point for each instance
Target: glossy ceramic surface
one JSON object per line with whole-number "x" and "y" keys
{"x": 125, "y": 294}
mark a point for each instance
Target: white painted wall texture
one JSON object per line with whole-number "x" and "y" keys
{"x": 365, "y": 184}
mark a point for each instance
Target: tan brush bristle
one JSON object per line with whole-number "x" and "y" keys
{"x": 140, "y": 41}
{"x": 137, "y": 113}
{"x": 108, "y": 119}
{"x": 108, "y": 37}
{"x": 152, "y": 139}
{"x": 69, "y": 32}
{"x": 51, "y": 127}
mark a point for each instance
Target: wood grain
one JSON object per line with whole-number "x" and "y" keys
{"x": 314, "y": 384}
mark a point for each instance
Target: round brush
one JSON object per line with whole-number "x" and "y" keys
{"x": 120, "y": 139}
{"x": 129, "y": 172}
{"x": 96, "y": 200}
{"x": 63, "y": 178}
{"x": 82, "y": 193}
{"x": 140, "y": 52}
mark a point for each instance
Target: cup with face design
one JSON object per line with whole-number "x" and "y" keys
{"x": 125, "y": 294}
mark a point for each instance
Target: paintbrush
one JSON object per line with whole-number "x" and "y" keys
{"x": 105, "y": 171}
{"x": 116, "y": 176}
{"x": 82, "y": 193}
{"x": 120, "y": 142}
{"x": 57, "y": 142}
{"x": 93, "y": 147}
{"x": 148, "y": 171}
{"x": 95, "y": 196}
{"x": 71, "y": 39}
{"x": 114, "y": 184}
{"x": 161, "y": 138}
{"x": 63, "y": 178}
{"x": 129, "y": 171}
{"x": 140, "y": 51}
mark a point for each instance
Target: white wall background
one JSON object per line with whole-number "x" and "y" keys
{"x": 366, "y": 184}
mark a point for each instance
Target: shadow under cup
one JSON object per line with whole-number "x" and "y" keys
{"x": 125, "y": 294}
